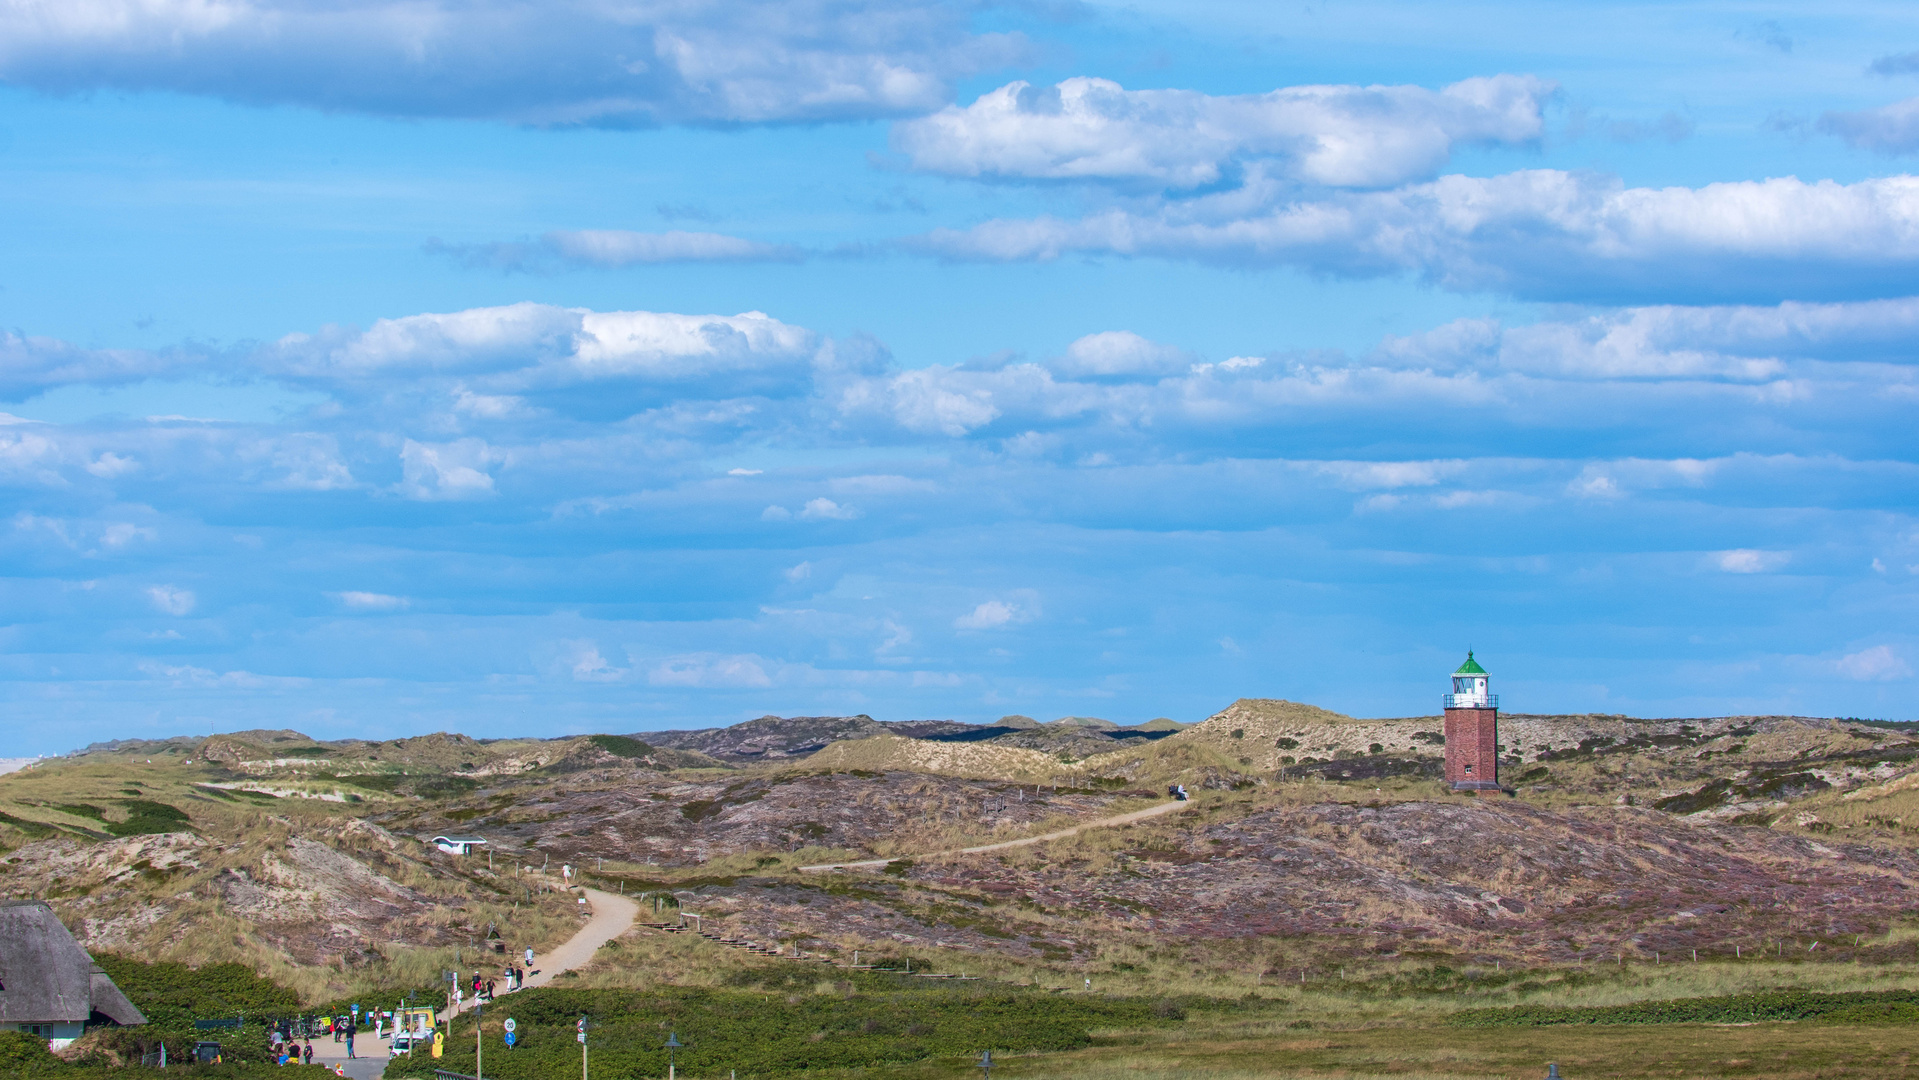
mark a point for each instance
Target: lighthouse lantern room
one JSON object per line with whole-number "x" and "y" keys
{"x": 1472, "y": 731}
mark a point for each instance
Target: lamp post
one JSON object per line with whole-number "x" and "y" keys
{"x": 672, "y": 1044}
{"x": 479, "y": 1026}
{"x": 986, "y": 1065}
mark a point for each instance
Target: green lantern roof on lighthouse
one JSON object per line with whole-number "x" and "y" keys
{"x": 1471, "y": 666}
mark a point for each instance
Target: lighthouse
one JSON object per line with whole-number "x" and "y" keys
{"x": 1472, "y": 730}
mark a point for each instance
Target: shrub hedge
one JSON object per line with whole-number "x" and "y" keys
{"x": 766, "y": 1034}
{"x": 1882, "y": 1006}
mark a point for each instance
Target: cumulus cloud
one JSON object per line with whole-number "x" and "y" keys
{"x": 498, "y": 361}
{"x": 585, "y": 664}
{"x": 569, "y": 62}
{"x": 1120, "y": 354}
{"x": 1877, "y": 664}
{"x": 824, "y": 509}
{"x": 995, "y": 614}
{"x": 1750, "y": 561}
{"x": 171, "y": 599}
{"x": 609, "y": 249}
{"x": 1540, "y": 233}
{"x": 1343, "y": 136}
{"x": 455, "y": 470}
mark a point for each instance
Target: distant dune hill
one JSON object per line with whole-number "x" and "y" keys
{"x": 978, "y": 760}
{"x": 625, "y": 751}
{"x": 1092, "y": 723}
{"x": 1258, "y": 732}
{"x": 1015, "y": 720}
{"x": 768, "y": 738}
{"x": 926, "y": 729}
{"x": 1162, "y": 724}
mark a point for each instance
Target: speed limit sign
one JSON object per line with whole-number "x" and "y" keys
{"x": 510, "y": 1025}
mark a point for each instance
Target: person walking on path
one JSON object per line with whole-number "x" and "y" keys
{"x": 529, "y": 956}
{"x": 350, "y": 1032}
{"x": 306, "y": 1054}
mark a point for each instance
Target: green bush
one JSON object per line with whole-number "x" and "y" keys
{"x": 174, "y": 995}
{"x": 620, "y": 745}
{"x": 763, "y": 1034}
{"x": 145, "y": 816}
{"x": 1735, "y": 1009}
{"x": 23, "y": 1053}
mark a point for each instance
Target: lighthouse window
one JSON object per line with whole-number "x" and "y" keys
{"x": 1460, "y": 686}
{"x": 1469, "y": 768}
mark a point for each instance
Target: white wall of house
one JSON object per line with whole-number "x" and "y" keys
{"x": 58, "y": 1033}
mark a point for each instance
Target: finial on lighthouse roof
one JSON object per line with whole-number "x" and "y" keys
{"x": 1471, "y": 666}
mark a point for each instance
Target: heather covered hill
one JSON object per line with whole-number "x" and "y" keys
{"x": 1313, "y": 875}
{"x": 769, "y": 738}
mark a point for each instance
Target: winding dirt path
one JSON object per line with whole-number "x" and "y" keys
{"x": 1024, "y": 841}
{"x": 613, "y": 915}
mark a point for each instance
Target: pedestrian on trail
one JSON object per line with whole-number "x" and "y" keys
{"x": 489, "y": 989}
{"x": 350, "y": 1032}
{"x": 306, "y": 1054}
{"x": 529, "y": 957}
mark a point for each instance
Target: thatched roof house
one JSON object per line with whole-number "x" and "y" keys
{"x": 49, "y": 986}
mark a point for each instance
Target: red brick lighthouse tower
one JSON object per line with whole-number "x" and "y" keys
{"x": 1472, "y": 731}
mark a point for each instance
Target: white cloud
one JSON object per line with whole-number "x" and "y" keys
{"x": 487, "y": 406}
{"x": 993, "y": 614}
{"x": 1877, "y": 664}
{"x": 585, "y": 663}
{"x": 371, "y": 601}
{"x": 1751, "y": 561}
{"x": 171, "y": 600}
{"x": 1541, "y": 232}
{"x": 109, "y": 465}
{"x": 928, "y": 401}
{"x": 682, "y": 346}
{"x": 1120, "y": 354}
{"x": 455, "y": 470}
{"x": 1390, "y": 474}
{"x": 776, "y": 513}
{"x": 799, "y": 573}
{"x": 824, "y": 509}
{"x": 562, "y": 63}
{"x": 307, "y": 462}
{"x": 1094, "y": 129}
{"x": 744, "y": 472}
{"x": 710, "y": 671}
{"x": 121, "y": 533}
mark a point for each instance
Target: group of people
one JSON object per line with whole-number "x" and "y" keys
{"x": 291, "y": 1047}
{"x": 485, "y": 987}
{"x": 287, "y": 1051}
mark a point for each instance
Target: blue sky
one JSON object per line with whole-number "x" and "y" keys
{"x": 379, "y": 368}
